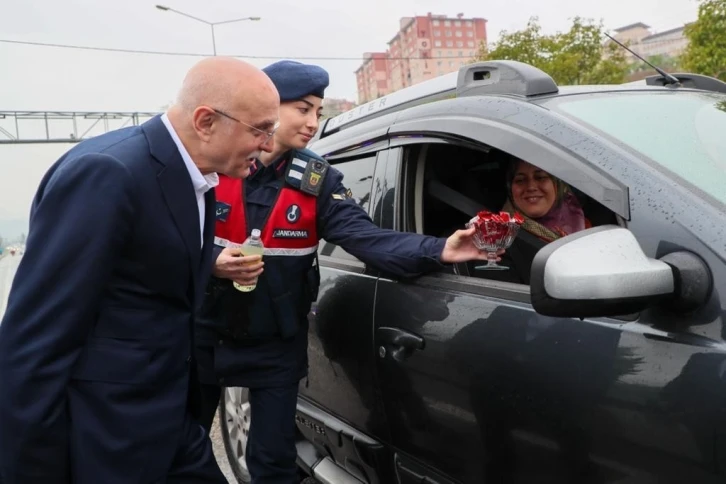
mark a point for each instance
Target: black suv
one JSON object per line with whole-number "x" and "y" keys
{"x": 600, "y": 357}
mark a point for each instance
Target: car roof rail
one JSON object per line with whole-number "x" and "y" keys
{"x": 480, "y": 78}
{"x": 693, "y": 81}
{"x": 503, "y": 77}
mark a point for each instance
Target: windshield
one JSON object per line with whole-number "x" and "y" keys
{"x": 684, "y": 132}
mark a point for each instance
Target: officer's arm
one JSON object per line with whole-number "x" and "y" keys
{"x": 80, "y": 220}
{"x": 343, "y": 222}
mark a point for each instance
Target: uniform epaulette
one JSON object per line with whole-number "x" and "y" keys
{"x": 306, "y": 171}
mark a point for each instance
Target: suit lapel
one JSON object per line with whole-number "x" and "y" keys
{"x": 176, "y": 186}
{"x": 210, "y": 219}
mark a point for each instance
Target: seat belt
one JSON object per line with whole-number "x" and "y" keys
{"x": 453, "y": 198}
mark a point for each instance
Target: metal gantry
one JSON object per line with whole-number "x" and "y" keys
{"x": 18, "y": 127}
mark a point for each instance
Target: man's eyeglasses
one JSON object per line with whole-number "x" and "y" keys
{"x": 268, "y": 135}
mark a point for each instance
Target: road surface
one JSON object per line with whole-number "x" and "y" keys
{"x": 8, "y": 266}
{"x": 219, "y": 451}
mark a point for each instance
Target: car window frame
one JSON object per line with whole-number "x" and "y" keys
{"x": 523, "y": 143}
{"x": 481, "y": 287}
{"x": 352, "y": 263}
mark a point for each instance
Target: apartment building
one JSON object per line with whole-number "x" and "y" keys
{"x": 372, "y": 76}
{"x": 641, "y": 39}
{"x": 333, "y": 106}
{"x": 423, "y": 48}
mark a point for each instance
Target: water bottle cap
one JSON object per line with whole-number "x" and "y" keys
{"x": 255, "y": 232}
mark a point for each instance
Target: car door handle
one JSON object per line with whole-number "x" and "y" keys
{"x": 402, "y": 343}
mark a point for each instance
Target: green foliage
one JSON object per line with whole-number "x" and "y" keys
{"x": 665, "y": 62}
{"x": 577, "y": 56}
{"x": 706, "y": 51}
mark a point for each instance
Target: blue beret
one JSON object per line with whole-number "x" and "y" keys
{"x": 295, "y": 80}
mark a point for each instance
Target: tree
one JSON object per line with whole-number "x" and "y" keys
{"x": 665, "y": 62}
{"x": 577, "y": 56}
{"x": 706, "y": 51}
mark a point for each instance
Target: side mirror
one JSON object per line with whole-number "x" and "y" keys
{"x": 595, "y": 273}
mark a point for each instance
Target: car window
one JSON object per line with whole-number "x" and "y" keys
{"x": 459, "y": 181}
{"x": 683, "y": 132}
{"x": 358, "y": 177}
{"x": 385, "y": 193}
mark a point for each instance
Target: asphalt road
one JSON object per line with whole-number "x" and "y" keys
{"x": 219, "y": 451}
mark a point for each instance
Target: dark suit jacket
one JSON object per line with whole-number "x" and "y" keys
{"x": 96, "y": 342}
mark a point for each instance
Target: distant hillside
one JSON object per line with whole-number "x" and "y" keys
{"x": 11, "y": 229}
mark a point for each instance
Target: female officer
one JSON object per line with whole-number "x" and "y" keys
{"x": 263, "y": 349}
{"x": 258, "y": 339}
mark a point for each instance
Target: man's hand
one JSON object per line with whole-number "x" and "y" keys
{"x": 243, "y": 270}
{"x": 460, "y": 248}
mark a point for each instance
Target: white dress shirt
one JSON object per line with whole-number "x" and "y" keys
{"x": 202, "y": 183}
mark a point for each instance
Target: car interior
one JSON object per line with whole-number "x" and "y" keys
{"x": 452, "y": 183}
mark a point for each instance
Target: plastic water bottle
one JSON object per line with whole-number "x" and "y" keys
{"x": 251, "y": 246}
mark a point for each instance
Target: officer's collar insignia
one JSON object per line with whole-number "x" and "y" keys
{"x": 253, "y": 168}
{"x": 281, "y": 163}
{"x": 343, "y": 196}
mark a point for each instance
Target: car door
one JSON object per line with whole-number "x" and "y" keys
{"x": 480, "y": 388}
{"x": 340, "y": 335}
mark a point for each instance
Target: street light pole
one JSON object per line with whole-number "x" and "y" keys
{"x": 211, "y": 24}
{"x": 214, "y": 42}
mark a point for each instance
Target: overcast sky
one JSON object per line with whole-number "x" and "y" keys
{"x": 46, "y": 78}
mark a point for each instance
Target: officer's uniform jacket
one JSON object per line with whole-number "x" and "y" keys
{"x": 259, "y": 339}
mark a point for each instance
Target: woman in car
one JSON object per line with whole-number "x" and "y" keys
{"x": 550, "y": 208}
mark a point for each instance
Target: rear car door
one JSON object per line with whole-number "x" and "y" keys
{"x": 480, "y": 388}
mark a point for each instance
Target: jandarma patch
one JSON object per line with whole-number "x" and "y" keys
{"x": 289, "y": 234}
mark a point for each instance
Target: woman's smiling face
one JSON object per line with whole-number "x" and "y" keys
{"x": 533, "y": 190}
{"x": 299, "y": 121}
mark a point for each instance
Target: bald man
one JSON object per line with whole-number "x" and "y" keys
{"x": 97, "y": 381}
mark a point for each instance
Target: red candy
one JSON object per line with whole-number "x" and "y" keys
{"x": 501, "y": 218}
{"x": 493, "y": 228}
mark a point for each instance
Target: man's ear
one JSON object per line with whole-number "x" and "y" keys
{"x": 204, "y": 120}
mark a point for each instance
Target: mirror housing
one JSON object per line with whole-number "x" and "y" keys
{"x": 597, "y": 272}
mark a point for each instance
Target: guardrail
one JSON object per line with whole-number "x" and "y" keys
{"x": 18, "y": 127}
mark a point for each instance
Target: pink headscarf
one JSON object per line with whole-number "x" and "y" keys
{"x": 566, "y": 215}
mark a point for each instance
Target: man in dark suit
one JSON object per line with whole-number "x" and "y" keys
{"x": 96, "y": 373}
